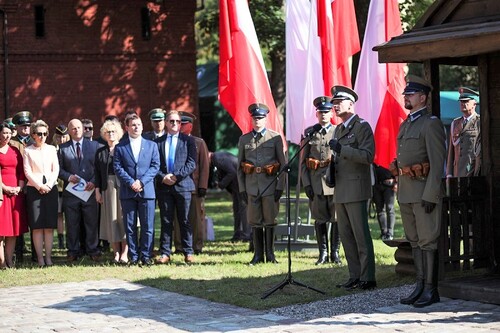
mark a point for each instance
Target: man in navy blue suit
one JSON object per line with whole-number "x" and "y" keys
{"x": 76, "y": 162}
{"x": 174, "y": 185}
{"x": 136, "y": 163}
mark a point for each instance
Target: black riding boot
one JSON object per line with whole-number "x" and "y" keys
{"x": 335, "y": 244}
{"x": 430, "y": 294}
{"x": 419, "y": 270}
{"x": 322, "y": 240}
{"x": 60, "y": 241}
{"x": 258, "y": 242}
{"x": 270, "y": 246}
{"x": 251, "y": 248}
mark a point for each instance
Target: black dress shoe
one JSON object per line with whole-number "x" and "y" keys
{"x": 350, "y": 284}
{"x": 147, "y": 262}
{"x": 133, "y": 263}
{"x": 367, "y": 285}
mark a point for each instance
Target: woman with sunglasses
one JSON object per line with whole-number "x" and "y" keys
{"x": 12, "y": 212}
{"x": 42, "y": 169}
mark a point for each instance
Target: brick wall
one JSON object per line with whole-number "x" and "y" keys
{"x": 93, "y": 60}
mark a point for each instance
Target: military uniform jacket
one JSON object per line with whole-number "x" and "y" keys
{"x": 464, "y": 150}
{"x": 202, "y": 171}
{"x": 19, "y": 144}
{"x": 318, "y": 148}
{"x": 421, "y": 140}
{"x": 264, "y": 151}
{"x": 352, "y": 165}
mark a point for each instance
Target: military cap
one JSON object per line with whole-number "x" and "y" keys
{"x": 61, "y": 129}
{"x": 258, "y": 110}
{"x": 22, "y": 118}
{"x": 323, "y": 103}
{"x": 157, "y": 114}
{"x": 8, "y": 122}
{"x": 415, "y": 84}
{"x": 187, "y": 117}
{"x": 343, "y": 93}
{"x": 467, "y": 94}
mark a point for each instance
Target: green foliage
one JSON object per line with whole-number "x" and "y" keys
{"x": 411, "y": 11}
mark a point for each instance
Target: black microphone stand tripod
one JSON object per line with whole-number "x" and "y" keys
{"x": 289, "y": 278}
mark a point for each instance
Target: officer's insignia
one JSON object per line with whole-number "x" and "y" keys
{"x": 350, "y": 136}
{"x": 362, "y": 121}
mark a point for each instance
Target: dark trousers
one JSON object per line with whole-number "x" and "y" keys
{"x": 242, "y": 229}
{"x": 384, "y": 197}
{"x": 171, "y": 203}
{"x": 76, "y": 213}
{"x": 144, "y": 210}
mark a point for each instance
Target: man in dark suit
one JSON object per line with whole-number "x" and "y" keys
{"x": 174, "y": 186}
{"x": 226, "y": 165}
{"x": 136, "y": 163}
{"x": 76, "y": 162}
{"x": 353, "y": 149}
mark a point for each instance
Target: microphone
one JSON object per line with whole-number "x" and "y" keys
{"x": 315, "y": 129}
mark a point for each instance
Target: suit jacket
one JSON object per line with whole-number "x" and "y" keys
{"x": 318, "y": 148}
{"x": 103, "y": 159}
{"x": 421, "y": 140}
{"x": 227, "y": 170}
{"x": 353, "y": 164}
{"x": 70, "y": 165}
{"x": 261, "y": 152}
{"x": 464, "y": 150}
{"x": 128, "y": 170}
{"x": 151, "y": 135}
{"x": 184, "y": 164}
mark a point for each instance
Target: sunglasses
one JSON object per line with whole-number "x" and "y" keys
{"x": 40, "y": 134}
{"x": 174, "y": 121}
{"x": 88, "y": 128}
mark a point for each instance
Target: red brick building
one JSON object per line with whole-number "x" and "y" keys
{"x": 89, "y": 58}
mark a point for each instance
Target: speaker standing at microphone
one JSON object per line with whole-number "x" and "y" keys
{"x": 353, "y": 148}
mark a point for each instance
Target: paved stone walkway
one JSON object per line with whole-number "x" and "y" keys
{"x": 119, "y": 306}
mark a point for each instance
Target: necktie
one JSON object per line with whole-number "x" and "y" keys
{"x": 323, "y": 131}
{"x": 78, "y": 151}
{"x": 464, "y": 122}
{"x": 171, "y": 155}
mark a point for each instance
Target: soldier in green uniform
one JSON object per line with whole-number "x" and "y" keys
{"x": 260, "y": 157}
{"x": 22, "y": 120}
{"x": 353, "y": 149}
{"x": 464, "y": 150}
{"x": 420, "y": 163}
{"x": 315, "y": 160}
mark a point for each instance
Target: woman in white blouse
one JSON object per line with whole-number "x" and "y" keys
{"x": 41, "y": 167}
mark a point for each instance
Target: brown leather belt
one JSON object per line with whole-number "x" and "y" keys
{"x": 314, "y": 164}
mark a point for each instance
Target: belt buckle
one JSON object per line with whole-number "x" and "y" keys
{"x": 258, "y": 169}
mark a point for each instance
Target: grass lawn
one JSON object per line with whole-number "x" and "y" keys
{"x": 220, "y": 273}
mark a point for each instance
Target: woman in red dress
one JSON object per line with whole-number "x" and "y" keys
{"x": 13, "y": 220}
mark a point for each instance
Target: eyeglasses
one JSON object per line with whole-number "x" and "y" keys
{"x": 174, "y": 121}
{"x": 110, "y": 132}
{"x": 88, "y": 128}
{"x": 40, "y": 134}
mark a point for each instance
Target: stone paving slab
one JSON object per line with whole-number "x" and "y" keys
{"x": 117, "y": 306}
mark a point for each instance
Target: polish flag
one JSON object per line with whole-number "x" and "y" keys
{"x": 321, "y": 36}
{"x": 380, "y": 86}
{"x": 242, "y": 74}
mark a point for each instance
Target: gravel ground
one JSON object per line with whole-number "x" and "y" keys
{"x": 358, "y": 302}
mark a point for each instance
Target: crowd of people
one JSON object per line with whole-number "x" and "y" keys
{"x": 109, "y": 187}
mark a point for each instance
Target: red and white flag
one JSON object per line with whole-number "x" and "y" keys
{"x": 380, "y": 86}
{"x": 321, "y": 36}
{"x": 242, "y": 74}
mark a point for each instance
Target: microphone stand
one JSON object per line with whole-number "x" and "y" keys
{"x": 288, "y": 279}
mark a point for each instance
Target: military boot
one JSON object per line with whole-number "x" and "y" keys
{"x": 418, "y": 261}
{"x": 430, "y": 293}
{"x": 270, "y": 246}
{"x": 258, "y": 242}
{"x": 335, "y": 244}
{"x": 322, "y": 240}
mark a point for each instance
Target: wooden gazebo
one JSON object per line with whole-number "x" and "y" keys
{"x": 464, "y": 32}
